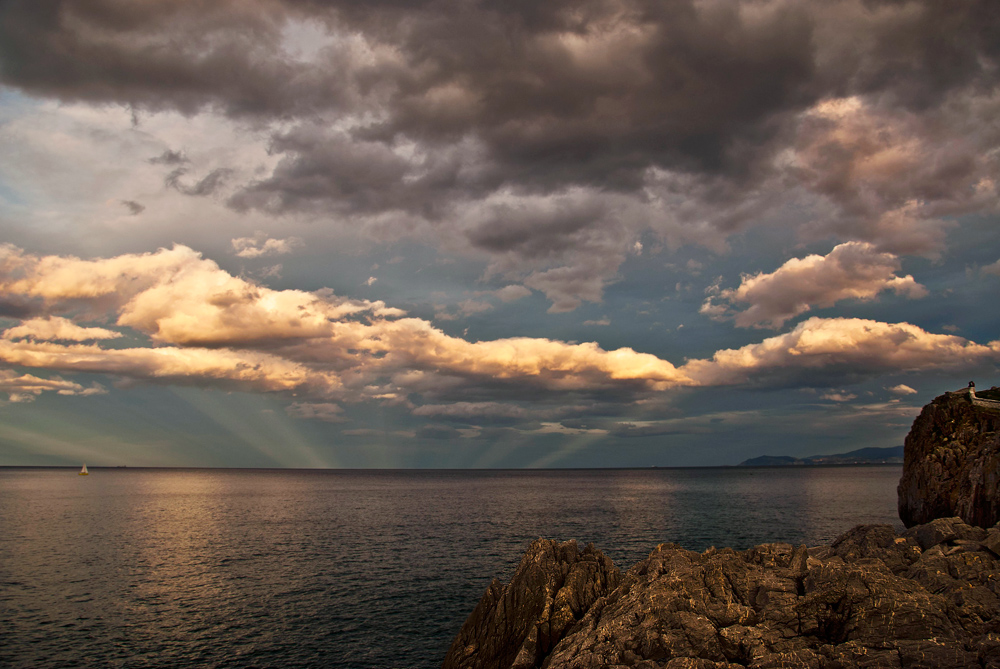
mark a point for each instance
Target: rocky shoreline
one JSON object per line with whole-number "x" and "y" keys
{"x": 929, "y": 597}
{"x": 926, "y": 598}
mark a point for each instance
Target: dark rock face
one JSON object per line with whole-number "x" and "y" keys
{"x": 517, "y": 625}
{"x": 951, "y": 465}
{"x": 929, "y": 598}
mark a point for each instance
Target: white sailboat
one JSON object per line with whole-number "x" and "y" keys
{"x": 84, "y": 472}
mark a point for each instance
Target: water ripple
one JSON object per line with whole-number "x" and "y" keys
{"x": 225, "y": 568}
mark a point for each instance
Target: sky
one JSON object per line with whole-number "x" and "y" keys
{"x": 485, "y": 234}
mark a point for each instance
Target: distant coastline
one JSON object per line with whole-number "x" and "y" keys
{"x": 892, "y": 455}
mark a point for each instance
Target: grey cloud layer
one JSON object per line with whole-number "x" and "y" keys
{"x": 550, "y": 138}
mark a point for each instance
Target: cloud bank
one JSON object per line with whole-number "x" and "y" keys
{"x": 54, "y": 327}
{"x": 551, "y": 140}
{"x": 850, "y": 348}
{"x": 207, "y": 327}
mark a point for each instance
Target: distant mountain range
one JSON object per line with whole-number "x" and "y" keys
{"x": 862, "y": 456}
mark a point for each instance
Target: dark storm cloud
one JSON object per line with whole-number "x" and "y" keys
{"x": 590, "y": 96}
{"x": 320, "y": 169}
{"x": 538, "y": 232}
{"x": 916, "y": 52}
{"x": 596, "y": 94}
{"x": 599, "y": 89}
{"x": 134, "y": 208}
{"x": 575, "y": 93}
{"x": 464, "y": 118}
{"x": 207, "y": 185}
{"x": 161, "y": 55}
{"x": 169, "y": 157}
{"x": 566, "y": 246}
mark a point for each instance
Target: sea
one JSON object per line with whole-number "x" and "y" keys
{"x": 369, "y": 569}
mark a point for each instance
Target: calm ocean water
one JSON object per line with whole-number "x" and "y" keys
{"x": 251, "y": 568}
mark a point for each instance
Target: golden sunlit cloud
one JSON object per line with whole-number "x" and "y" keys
{"x": 854, "y": 270}
{"x": 853, "y": 344}
{"x": 251, "y": 370}
{"x": 26, "y": 387}
{"x": 54, "y": 327}
{"x": 209, "y": 327}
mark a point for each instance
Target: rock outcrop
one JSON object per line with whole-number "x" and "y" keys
{"x": 927, "y": 598}
{"x": 951, "y": 464}
{"x": 517, "y": 625}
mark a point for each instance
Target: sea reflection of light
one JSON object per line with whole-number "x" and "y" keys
{"x": 174, "y": 535}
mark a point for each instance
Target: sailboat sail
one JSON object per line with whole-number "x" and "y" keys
{"x": 84, "y": 472}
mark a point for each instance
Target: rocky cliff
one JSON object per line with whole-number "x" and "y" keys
{"x": 927, "y": 598}
{"x": 951, "y": 464}
{"x": 515, "y": 626}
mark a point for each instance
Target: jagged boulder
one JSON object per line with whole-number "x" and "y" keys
{"x": 951, "y": 464}
{"x": 871, "y": 599}
{"x": 514, "y": 627}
